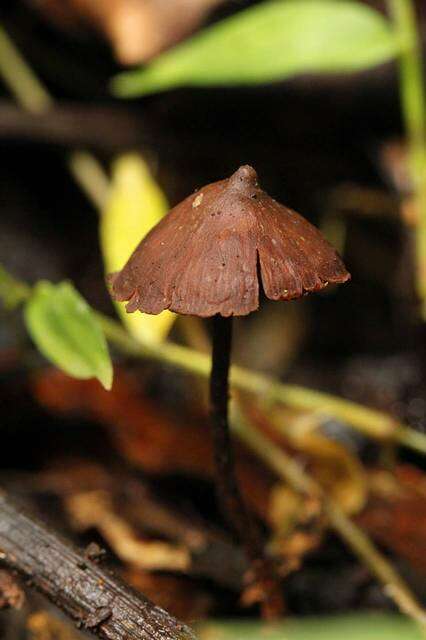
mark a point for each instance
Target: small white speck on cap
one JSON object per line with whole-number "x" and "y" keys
{"x": 197, "y": 200}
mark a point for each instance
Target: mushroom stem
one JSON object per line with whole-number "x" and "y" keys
{"x": 263, "y": 576}
{"x": 229, "y": 495}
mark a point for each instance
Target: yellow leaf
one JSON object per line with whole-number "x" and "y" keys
{"x": 135, "y": 204}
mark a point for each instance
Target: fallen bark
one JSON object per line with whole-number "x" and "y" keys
{"x": 87, "y": 593}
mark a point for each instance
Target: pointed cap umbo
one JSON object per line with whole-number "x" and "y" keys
{"x": 207, "y": 255}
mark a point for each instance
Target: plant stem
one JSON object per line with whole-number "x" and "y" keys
{"x": 394, "y": 586}
{"x": 90, "y": 176}
{"x": 289, "y": 469}
{"x": 413, "y": 104}
{"x": 20, "y": 79}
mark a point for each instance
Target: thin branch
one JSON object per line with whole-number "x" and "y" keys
{"x": 91, "y": 596}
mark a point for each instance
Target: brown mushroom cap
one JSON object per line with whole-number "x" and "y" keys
{"x": 205, "y": 256}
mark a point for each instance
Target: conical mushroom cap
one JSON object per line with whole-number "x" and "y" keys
{"x": 207, "y": 254}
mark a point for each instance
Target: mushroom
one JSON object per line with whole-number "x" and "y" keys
{"x": 208, "y": 257}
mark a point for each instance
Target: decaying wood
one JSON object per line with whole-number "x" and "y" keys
{"x": 96, "y": 600}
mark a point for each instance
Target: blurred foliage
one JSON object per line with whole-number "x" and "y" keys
{"x": 67, "y": 333}
{"x": 12, "y": 292}
{"x": 135, "y": 204}
{"x": 355, "y": 627}
{"x": 272, "y": 41}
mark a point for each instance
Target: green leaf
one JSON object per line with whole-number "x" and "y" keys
{"x": 67, "y": 333}
{"x": 271, "y": 41}
{"x": 135, "y": 204}
{"x": 350, "y": 627}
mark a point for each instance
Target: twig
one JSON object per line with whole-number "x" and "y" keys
{"x": 91, "y": 596}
